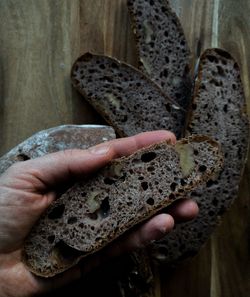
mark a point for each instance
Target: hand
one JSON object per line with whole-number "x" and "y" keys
{"x": 27, "y": 189}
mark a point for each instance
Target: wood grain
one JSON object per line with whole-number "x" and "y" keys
{"x": 39, "y": 41}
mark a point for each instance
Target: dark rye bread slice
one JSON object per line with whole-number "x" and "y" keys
{"x": 219, "y": 110}
{"x": 129, "y": 190}
{"x": 125, "y": 97}
{"x": 56, "y": 139}
{"x": 162, "y": 48}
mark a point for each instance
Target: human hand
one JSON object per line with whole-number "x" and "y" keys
{"x": 28, "y": 188}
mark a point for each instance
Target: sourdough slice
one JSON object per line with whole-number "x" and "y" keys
{"x": 125, "y": 97}
{"x": 162, "y": 48}
{"x": 56, "y": 139}
{"x": 219, "y": 110}
{"x": 129, "y": 190}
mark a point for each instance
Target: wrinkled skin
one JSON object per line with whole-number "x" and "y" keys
{"x": 27, "y": 189}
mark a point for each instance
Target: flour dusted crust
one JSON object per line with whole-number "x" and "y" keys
{"x": 56, "y": 139}
{"x": 129, "y": 190}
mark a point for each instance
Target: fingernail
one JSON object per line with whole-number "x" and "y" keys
{"x": 100, "y": 150}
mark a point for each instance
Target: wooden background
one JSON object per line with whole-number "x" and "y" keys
{"x": 40, "y": 39}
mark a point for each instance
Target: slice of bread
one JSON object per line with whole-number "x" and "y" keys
{"x": 129, "y": 190}
{"x": 162, "y": 48}
{"x": 56, "y": 139}
{"x": 125, "y": 97}
{"x": 219, "y": 110}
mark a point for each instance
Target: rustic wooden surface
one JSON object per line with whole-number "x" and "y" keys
{"x": 40, "y": 39}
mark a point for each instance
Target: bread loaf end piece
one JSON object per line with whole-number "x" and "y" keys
{"x": 126, "y": 192}
{"x": 218, "y": 110}
{"x": 56, "y": 139}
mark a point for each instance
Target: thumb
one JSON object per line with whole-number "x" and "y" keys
{"x": 46, "y": 172}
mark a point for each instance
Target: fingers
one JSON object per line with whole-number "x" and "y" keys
{"x": 183, "y": 210}
{"x": 59, "y": 167}
{"x": 154, "y": 229}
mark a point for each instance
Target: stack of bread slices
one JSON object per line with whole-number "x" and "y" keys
{"x": 208, "y": 115}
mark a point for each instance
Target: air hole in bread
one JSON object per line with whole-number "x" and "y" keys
{"x": 51, "y": 238}
{"x": 234, "y": 86}
{"x": 216, "y": 82}
{"x": 22, "y": 157}
{"x": 210, "y": 183}
{"x": 114, "y": 65}
{"x": 124, "y": 119}
{"x": 108, "y": 79}
{"x": 56, "y": 212}
{"x": 178, "y": 95}
{"x": 150, "y": 201}
{"x": 215, "y": 202}
{"x": 183, "y": 182}
{"x": 147, "y": 157}
{"x": 202, "y": 168}
{"x": 212, "y": 59}
{"x": 223, "y": 53}
{"x": 101, "y": 212}
{"x": 173, "y": 186}
{"x": 144, "y": 186}
{"x": 62, "y": 253}
{"x": 196, "y": 152}
{"x": 164, "y": 73}
{"x": 220, "y": 70}
{"x": 168, "y": 107}
{"x": 150, "y": 169}
{"x": 108, "y": 181}
{"x": 237, "y": 68}
{"x": 172, "y": 196}
{"x": 105, "y": 208}
{"x": 72, "y": 220}
{"x": 211, "y": 213}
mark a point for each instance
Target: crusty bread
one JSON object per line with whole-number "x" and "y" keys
{"x": 129, "y": 190}
{"x": 125, "y": 97}
{"x": 56, "y": 139}
{"x": 219, "y": 110}
{"x": 162, "y": 48}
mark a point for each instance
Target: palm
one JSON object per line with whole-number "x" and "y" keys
{"x": 27, "y": 189}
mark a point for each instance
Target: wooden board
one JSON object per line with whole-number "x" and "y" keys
{"x": 40, "y": 39}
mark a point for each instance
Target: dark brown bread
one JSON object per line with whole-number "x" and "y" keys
{"x": 219, "y": 110}
{"x": 125, "y": 97}
{"x": 57, "y": 139}
{"x": 163, "y": 51}
{"x": 129, "y": 190}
